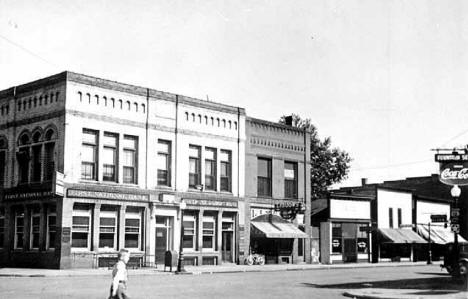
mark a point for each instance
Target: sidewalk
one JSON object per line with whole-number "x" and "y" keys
{"x": 26, "y": 272}
{"x": 375, "y": 293}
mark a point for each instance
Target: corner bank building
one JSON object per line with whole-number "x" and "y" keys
{"x": 90, "y": 166}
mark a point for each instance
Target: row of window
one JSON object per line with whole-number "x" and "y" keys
{"x": 82, "y": 228}
{"x": 111, "y": 161}
{"x": 111, "y": 102}
{"x": 264, "y": 178}
{"x": 210, "y": 169}
{"x": 110, "y": 156}
{"x": 33, "y": 102}
{"x": 211, "y": 121}
{"x": 390, "y": 217}
{"x": 209, "y": 230}
{"x": 35, "y": 156}
{"x": 351, "y": 234}
{"x": 34, "y": 227}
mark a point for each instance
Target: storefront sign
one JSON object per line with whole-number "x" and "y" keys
{"x": 255, "y": 212}
{"x": 58, "y": 186}
{"x": 106, "y": 195}
{"x": 439, "y": 218}
{"x": 442, "y": 158}
{"x": 210, "y": 203}
{"x": 28, "y": 195}
{"x": 288, "y": 210}
{"x": 355, "y": 209}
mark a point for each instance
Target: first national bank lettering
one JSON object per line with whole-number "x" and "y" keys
{"x": 105, "y": 195}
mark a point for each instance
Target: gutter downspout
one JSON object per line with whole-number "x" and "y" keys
{"x": 175, "y": 141}
{"x": 238, "y": 152}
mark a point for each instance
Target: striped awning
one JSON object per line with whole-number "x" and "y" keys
{"x": 401, "y": 236}
{"x": 273, "y": 226}
{"x": 439, "y": 234}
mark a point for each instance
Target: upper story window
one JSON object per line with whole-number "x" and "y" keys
{"x": 399, "y": 217}
{"x": 89, "y": 154}
{"x": 49, "y": 154}
{"x": 210, "y": 169}
{"x": 164, "y": 163}
{"x": 194, "y": 166}
{"x": 130, "y": 145}
{"x": 110, "y": 157}
{"x": 225, "y": 173}
{"x": 264, "y": 177}
{"x": 23, "y": 157}
{"x": 290, "y": 180}
{"x": 3, "y": 163}
{"x": 36, "y": 158}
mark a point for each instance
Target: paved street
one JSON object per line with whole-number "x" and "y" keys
{"x": 326, "y": 283}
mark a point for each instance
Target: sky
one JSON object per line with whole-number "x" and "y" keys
{"x": 386, "y": 80}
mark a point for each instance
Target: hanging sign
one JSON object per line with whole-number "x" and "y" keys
{"x": 453, "y": 168}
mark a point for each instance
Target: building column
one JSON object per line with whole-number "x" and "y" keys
{"x": 64, "y": 212}
{"x": 95, "y": 239}
{"x": 219, "y": 234}
{"x": 121, "y": 239}
{"x": 149, "y": 219}
{"x": 325, "y": 242}
{"x": 9, "y": 231}
{"x": 200, "y": 234}
{"x": 42, "y": 228}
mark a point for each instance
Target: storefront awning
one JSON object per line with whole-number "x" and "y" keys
{"x": 439, "y": 234}
{"x": 272, "y": 226}
{"x": 401, "y": 236}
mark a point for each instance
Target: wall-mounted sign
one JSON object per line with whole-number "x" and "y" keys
{"x": 442, "y": 158}
{"x": 454, "y": 173}
{"x": 106, "y": 195}
{"x": 439, "y": 218}
{"x": 28, "y": 195}
{"x": 288, "y": 210}
{"x": 211, "y": 203}
{"x": 58, "y": 187}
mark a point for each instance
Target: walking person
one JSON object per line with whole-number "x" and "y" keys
{"x": 119, "y": 276}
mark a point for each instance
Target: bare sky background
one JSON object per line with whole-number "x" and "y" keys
{"x": 387, "y": 80}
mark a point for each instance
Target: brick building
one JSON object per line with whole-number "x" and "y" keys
{"x": 277, "y": 170}
{"x": 129, "y": 155}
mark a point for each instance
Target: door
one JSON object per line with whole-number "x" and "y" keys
{"x": 350, "y": 250}
{"x": 226, "y": 250}
{"x": 163, "y": 238}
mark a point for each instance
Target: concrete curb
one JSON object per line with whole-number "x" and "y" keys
{"x": 212, "y": 271}
{"x": 362, "y": 296}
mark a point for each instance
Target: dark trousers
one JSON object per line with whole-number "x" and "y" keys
{"x": 121, "y": 292}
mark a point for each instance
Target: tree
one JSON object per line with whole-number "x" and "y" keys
{"x": 329, "y": 165}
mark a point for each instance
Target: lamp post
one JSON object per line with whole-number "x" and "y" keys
{"x": 455, "y": 192}
{"x": 180, "y": 263}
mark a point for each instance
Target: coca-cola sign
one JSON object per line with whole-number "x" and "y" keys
{"x": 454, "y": 173}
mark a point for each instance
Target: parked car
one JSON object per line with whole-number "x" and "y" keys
{"x": 451, "y": 261}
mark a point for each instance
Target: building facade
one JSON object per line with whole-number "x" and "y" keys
{"x": 93, "y": 166}
{"x": 277, "y": 171}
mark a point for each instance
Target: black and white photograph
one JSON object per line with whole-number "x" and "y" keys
{"x": 233, "y": 149}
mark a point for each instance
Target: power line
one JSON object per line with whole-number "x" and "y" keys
{"x": 28, "y": 51}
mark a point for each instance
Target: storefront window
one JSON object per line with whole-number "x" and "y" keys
{"x": 107, "y": 229}
{"x": 189, "y": 232}
{"x": 132, "y": 230}
{"x": 336, "y": 238}
{"x": 362, "y": 238}
{"x": 208, "y": 232}
{"x": 35, "y": 225}
{"x": 19, "y": 229}
{"x": 81, "y": 235}
{"x": 51, "y": 229}
{"x": 2, "y": 227}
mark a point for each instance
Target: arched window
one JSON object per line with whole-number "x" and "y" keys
{"x": 212, "y": 121}
{"x": 96, "y": 97}
{"x": 30, "y": 103}
{"x": 224, "y": 123}
{"x": 206, "y": 120}
{"x": 128, "y": 105}
{"x": 143, "y": 107}
{"x": 52, "y": 98}
{"x": 40, "y": 101}
{"x": 105, "y": 101}
{"x": 49, "y": 153}
{"x": 193, "y": 116}
{"x": 199, "y": 118}
{"x": 186, "y": 116}
{"x": 87, "y": 95}
{"x": 121, "y": 104}
{"x": 113, "y": 102}
{"x": 230, "y": 124}
{"x": 80, "y": 96}
{"x": 35, "y": 102}
{"x": 217, "y": 121}
{"x": 19, "y": 105}
{"x": 57, "y": 96}
{"x": 23, "y": 157}
{"x": 235, "y": 125}
{"x": 136, "y": 106}
{"x": 36, "y": 155}
{"x": 45, "y": 99}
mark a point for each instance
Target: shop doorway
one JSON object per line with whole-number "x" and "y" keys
{"x": 227, "y": 241}
{"x": 350, "y": 250}
{"x": 164, "y": 237}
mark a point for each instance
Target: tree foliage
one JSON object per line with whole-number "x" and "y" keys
{"x": 329, "y": 165}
